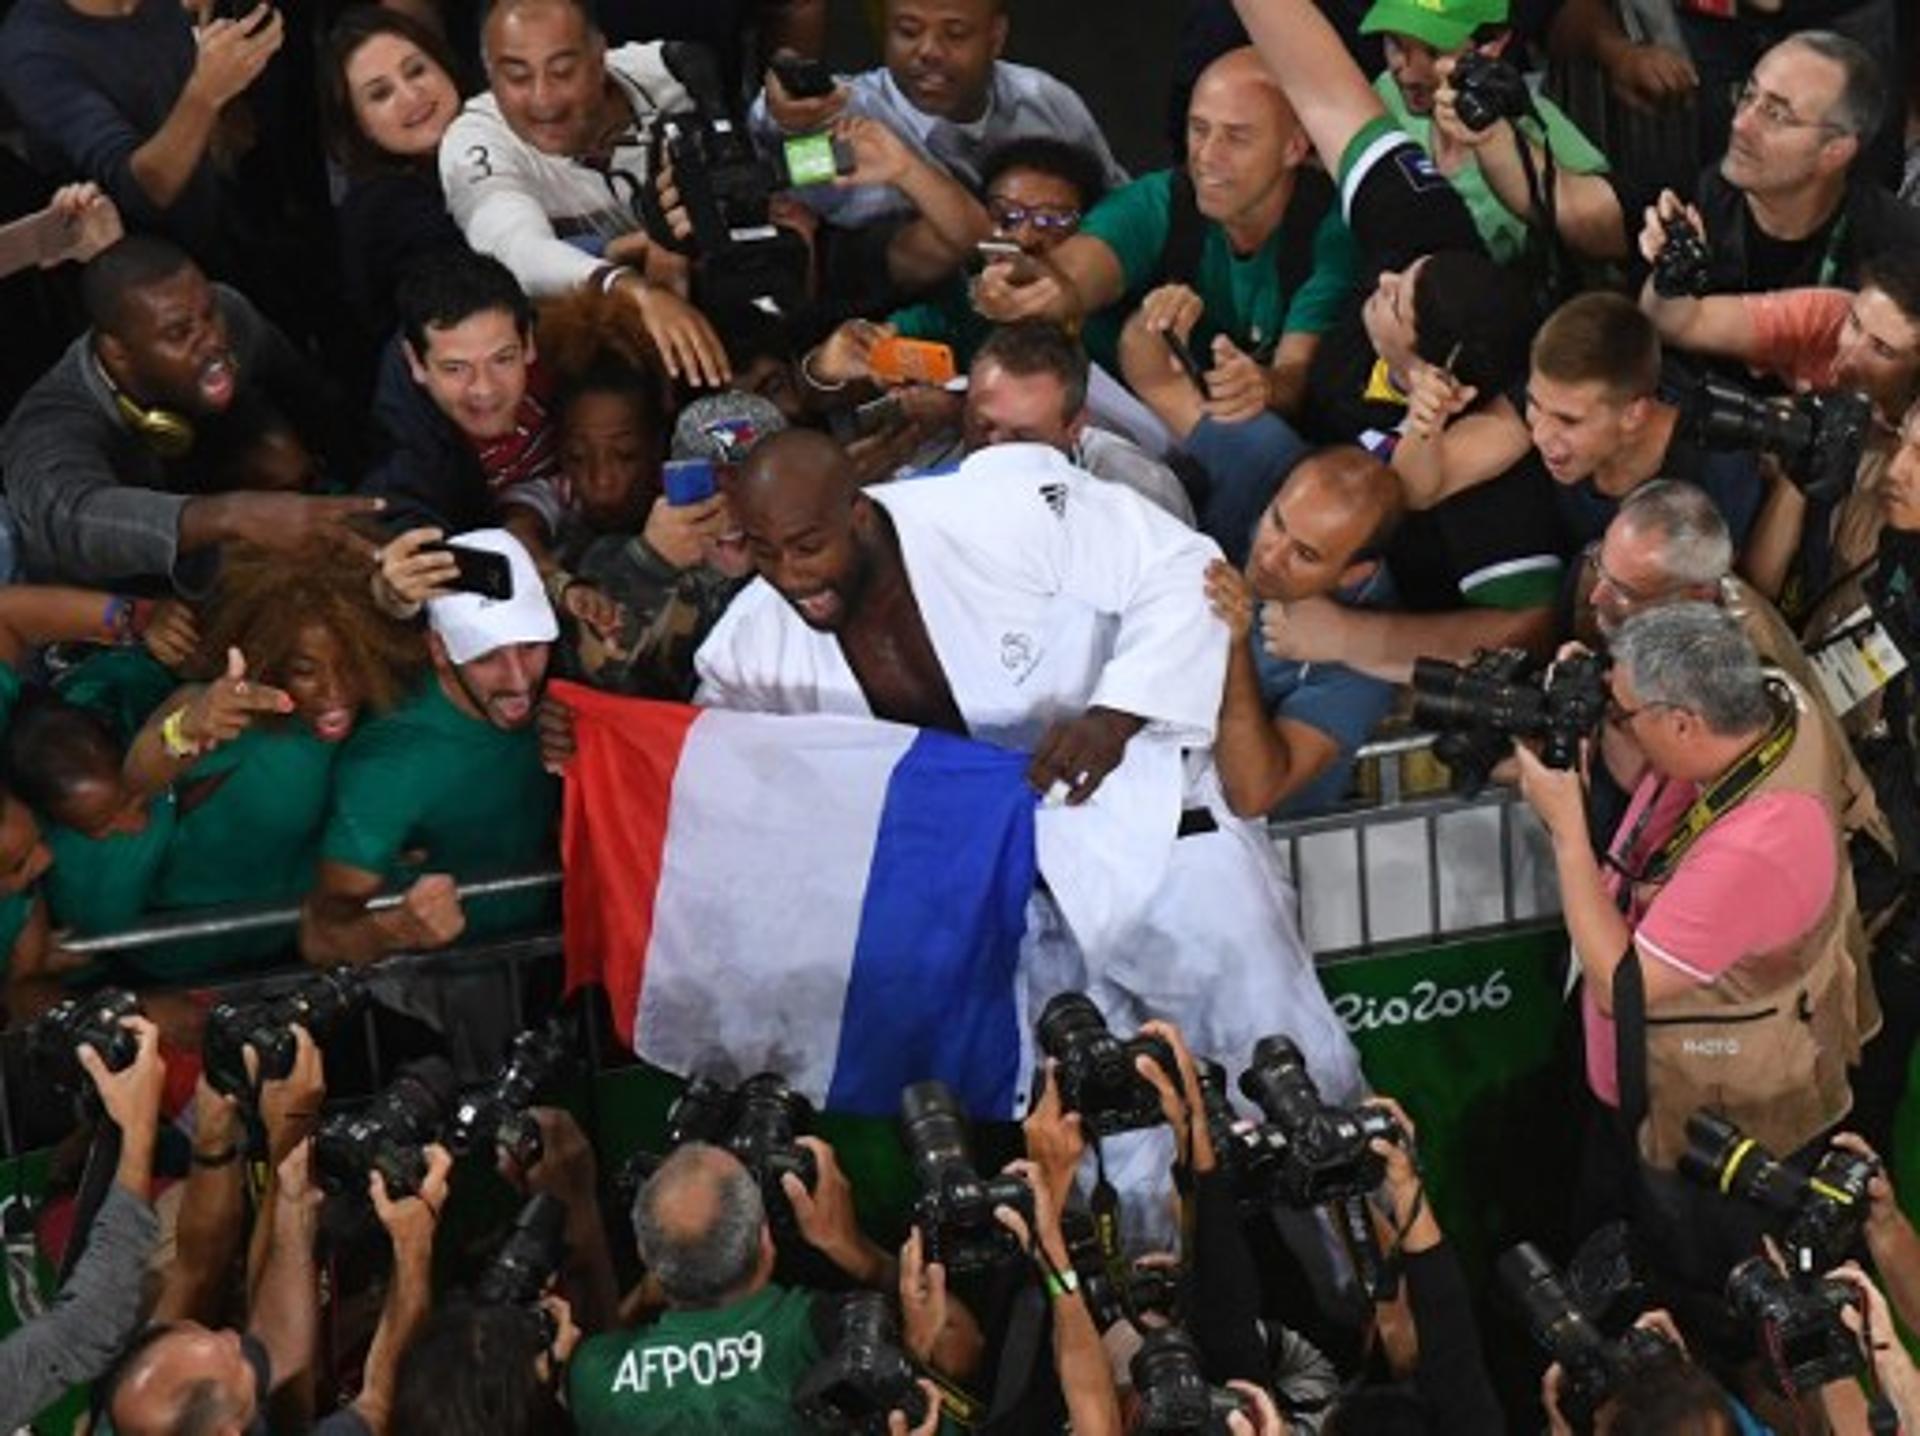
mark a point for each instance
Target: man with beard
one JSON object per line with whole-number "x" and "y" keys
{"x": 1023, "y": 603}
{"x": 1289, "y": 730}
{"x": 449, "y": 784}
{"x": 109, "y": 457}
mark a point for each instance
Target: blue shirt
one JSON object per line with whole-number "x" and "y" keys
{"x": 1342, "y": 703}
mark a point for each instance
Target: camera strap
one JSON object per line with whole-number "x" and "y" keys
{"x": 1728, "y": 790}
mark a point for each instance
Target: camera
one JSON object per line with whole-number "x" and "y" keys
{"x": 93, "y": 1021}
{"x": 1172, "y": 1386}
{"x": 389, "y": 1136}
{"x": 1684, "y": 264}
{"x": 1251, "y": 1153}
{"x": 1817, "y": 438}
{"x": 530, "y": 1257}
{"x": 758, "y": 1122}
{"x": 500, "y": 1115}
{"x": 1326, "y": 1156}
{"x": 1596, "y": 1368}
{"x": 865, "y": 1376}
{"x": 1096, "y": 1070}
{"x": 1114, "y": 1290}
{"x": 955, "y": 1208}
{"x": 1486, "y": 90}
{"x": 1478, "y": 707}
{"x": 1797, "y": 1324}
{"x": 267, "y": 1027}
{"x": 1821, "y": 1213}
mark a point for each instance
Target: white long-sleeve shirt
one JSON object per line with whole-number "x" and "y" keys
{"x": 548, "y": 217}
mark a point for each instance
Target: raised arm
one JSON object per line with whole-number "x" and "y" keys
{"x": 1323, "y": 84}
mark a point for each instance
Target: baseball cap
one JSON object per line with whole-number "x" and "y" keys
{"x": 472, "y": 625}
{"x": 724, "y": 427}
{"x": 1443, "y": 24}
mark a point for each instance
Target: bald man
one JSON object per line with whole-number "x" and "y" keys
{"x": 1289, "y": 730}
{"x": 1023, "y": 602}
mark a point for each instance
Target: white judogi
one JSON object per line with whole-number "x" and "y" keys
{"x": 1046, "y": 592}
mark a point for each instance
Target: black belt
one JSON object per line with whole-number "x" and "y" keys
{"x": 1196, "y": 821}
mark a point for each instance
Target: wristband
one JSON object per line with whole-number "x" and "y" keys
{"x": 1061, "y": 1283}
{"x": 612, "y": 274}
{"x": 225, "y": 1157}
{"x": 814, "y": 380}
{"x": 173, "y": 736}
{"x": 117, "y": 621}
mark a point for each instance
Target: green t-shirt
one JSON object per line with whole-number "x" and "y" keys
{"x": 426, "y": 789}
{"x": 122, "y": 685}
{"x": 947, "y": 316}
{"x": 15, "y": 909}
{"x": 1504, "y": 232}
{"x": 105, "y": 884}
{"x": 731, "y": 1369}
{"x": 1241, "y": 293}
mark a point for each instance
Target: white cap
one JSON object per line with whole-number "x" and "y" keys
{"x": 472, "y": 626}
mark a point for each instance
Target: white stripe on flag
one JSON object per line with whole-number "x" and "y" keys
{"x": 749, "y": 971}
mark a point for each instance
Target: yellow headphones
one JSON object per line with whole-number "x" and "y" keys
{"x": 168, "y": 434}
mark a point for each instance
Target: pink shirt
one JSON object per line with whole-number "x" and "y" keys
{"x": 1796, "y": 333}
{"x": 1751, "y": 884}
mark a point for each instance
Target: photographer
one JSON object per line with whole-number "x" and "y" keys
{"x": 1666, "y": 1393}
{"x": 96, "y": 1310}
{"x": 1869, "y": 1319}
{"x": 487, "y": 1371}
{"x": 733, "y": 1344}
{"x": 1891, "y": 1240}
{"x": 1722, "y": 900}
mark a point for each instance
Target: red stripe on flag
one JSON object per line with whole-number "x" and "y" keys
{"x": 613, "y": 836}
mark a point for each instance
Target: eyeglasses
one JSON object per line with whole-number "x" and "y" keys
{"x": 1627, "y": 593}
{"x": 1776, "y": 113}
{"x": 1041, "y": 217}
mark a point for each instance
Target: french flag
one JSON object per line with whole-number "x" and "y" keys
{"x": 838, "y": 900}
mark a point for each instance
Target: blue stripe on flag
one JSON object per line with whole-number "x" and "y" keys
{"x": 931, "y": 993}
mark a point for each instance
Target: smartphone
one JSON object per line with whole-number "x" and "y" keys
{"x": 689, "y": 481}
{"x": 894, "y": 360}
{"x": 877, "y": 415}
{"x": 1183, "y": 356}
{"x": 1005, "y": 251}
{"x": 43, "y": 238}
{"x": 802, "y": 78}
{"x": 481, "y": 571}
{"x": 810, "y": 160}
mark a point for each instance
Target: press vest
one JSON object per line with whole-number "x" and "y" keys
{"x": 730, "y": 1369}
{"x": 1767, "y": 1053}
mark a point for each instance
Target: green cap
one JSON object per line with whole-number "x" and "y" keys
{"x": 1443, "y": 24}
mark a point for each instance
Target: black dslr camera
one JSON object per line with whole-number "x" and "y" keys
{"x": 500, "y": 1115}
{"x": 1096, "y": 1069}
{"x": 1684, "y": 264}
{"x": 1175, "y": 1395}
{"x": 1797, "y": 1324}
{"x": 55, "y": 1035}
{"x": 955, "y": 1208}
{"x": 1252, "y": 1153}
{"x": 865, "y": 1376}
{"x": 267, "y": 1027}
{"x": 1325, "y": 1156}
{"x": 389, "y": 1137}
{"x": 1820, "y": 1214}
{"x": 1114, "y": 1289}
{"x": 1480, "y": 707}
{"x": 1487, "y": 90}
{"x": 1816, "y": 437}
{"x": 1596, "y": 1368}
{"x": 530, "y": 1257}
{"x": 758, "y": 1122}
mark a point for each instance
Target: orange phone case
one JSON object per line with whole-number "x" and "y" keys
{"x": 910, "y": 361}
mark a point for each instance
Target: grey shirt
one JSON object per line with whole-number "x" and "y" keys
{"x": 91, "y": 1319}
{"x": 1022, "y": 103}
{"x": 91, "y": 501}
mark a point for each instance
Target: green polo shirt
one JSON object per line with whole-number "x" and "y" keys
{"x": 122, "y": 685}
{"x": 1241, "y": 292}
{"x": 1504, "y": 232}
{"x": 730, "y": 1369}
{"x": 106, "y": 884}
{"x": 426, "y": 789}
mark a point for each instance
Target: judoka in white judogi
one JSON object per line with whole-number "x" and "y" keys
{"x": 1045, "y": 592}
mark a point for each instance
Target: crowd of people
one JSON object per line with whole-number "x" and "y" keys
{"x": 401, "y": 358}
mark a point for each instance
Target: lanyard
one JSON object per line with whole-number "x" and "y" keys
{"x": 1727, "y": 790}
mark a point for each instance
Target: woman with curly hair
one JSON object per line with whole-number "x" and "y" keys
{"x": 293, "y": 653}
{"x": 672, "y": 568}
